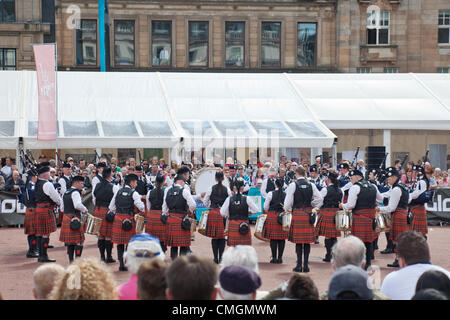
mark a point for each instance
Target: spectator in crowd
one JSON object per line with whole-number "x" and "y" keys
{"x": 85, "y": 279}
{"x": 141, "y": 248}
{"x": 242, "y": 256}
{"x": 429, "y": 294}
{"x": 14, "y": 183}
{"x": 434, "y": 279}
{"x": 52, "y": 163}
{"x": 132, "y": 162}
{"x": 7, "y": 170}
{"x": 238, "y": 283}
{"x": 87, "y": 181}
{"x": 444, "y": 180}
{"x": 408, "y": 178}
{"x": 437, "y": 175}
{"x": 429, "y": 171}
{"x": 350, "y": 283}
{"x": 191, "y": 278}
{"x": 2, "y": 183}
{"x": 52, "y": 175}
{"x": 414, "y": 259}
{"x": 44, "y": 279}
{"x": 151, "y": 280}
{"x": 361, "y": 167}
{"x": 114, "y": 161}
{"x": 301, "y": 287}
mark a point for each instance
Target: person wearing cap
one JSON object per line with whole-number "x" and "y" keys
{"x": 98, "y": 177}
{"x": 372, "y": 177}
{"x": 28, "y": 224}
{"x": 417, "y": 201}
{"x": 269, "y": 183}
{"x": 142, "y": 183}
{"x": 101, "y": 197}
{"x": 141, "y": 248}
{"x": 237, "y": 208}
{"x": 362, "y": 200}
{"x": 332, "y": 196}
{"x": 232, "y": 176}
{"x": 154, "y": 202}
{"x": 238, "y": 283}
{"x": 344, "y": 180}
{"x": 72, "y": 229}
{"x": 124, "y": 225}
{"x": 44, "y": 219}
{"x": 301, "y": 197}
{"x": 177, "y": 203}
{"x": 350, "y": 283}
{"x": 214, "y": 199}
{"x": 272, "y": 229}
{"x": 397, "y": 207}
{"x": 314, "y": 177}
{"x": 65, "y": 183}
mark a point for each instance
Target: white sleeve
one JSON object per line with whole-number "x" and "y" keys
{"x": 165, "y": 208}
{"x": 379, "y": 196}
{"x": 206, "y": 198}
{"x": 138, "y": 202}
{"x": 63, "y": 188}
{"x": 252, "y": 208}
{"x": 93, "y": 196}
{"x": 394, "y": 198}
{"x": 77, "y": 204}
{"x": 224, "y": 212}
{"x": 420, "y": 188}
{"x": 95, "y": 180}
{"x": 147, "y": 201}
{"x": 347, "y": 187}
{"x": 190, "y": 200}
{"x": 267, "y": 201}
{"x": 289, "y": 200}
{"x": 324, "y": 192}
{"x": 263, "y": 188}
{"x": 112, "y": 204}
{"x": 50, "y": 190}
{"x": 352, "y": 197}
{"x": 317, "y": 198}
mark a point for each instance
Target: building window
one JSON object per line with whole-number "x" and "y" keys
{"x": 124, "y": 42}
{"x": 271, "y": 44}
{"x": 87, "y": 43}
{"x": 234, "y": 44}
{"x": 377, "y": 26}
{"x": 442, "y": 70}
{"x": 390, "y": 70}
{"x": 7, "y": 11}
{"x": 444, "y": 27}
{"x": 161, "y": 43}
{"x": 7, "y": 59}
{"x": 364, "y": 70}
{"x": 198, "y": 43}
{"x": 306, "y": 45}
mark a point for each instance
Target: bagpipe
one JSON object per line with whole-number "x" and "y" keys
{"x": 355, "y": 157}
{"x": 29, "y": 164}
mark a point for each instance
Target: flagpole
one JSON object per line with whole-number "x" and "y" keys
{"x": 56, "y": 101}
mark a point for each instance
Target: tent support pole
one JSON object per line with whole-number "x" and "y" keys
{"x": 334, "y": 153}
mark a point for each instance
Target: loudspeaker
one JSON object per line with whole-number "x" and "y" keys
{"x": 374, "y": 156}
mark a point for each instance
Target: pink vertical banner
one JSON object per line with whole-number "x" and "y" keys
{"x": 44, "y": 56}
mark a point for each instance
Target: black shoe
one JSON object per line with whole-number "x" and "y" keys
{"x": 45, "y": 259}
{"x": 216, "y": 261}
{"x": 123, "y": 269}
{"x": 32, "y": 254}
{"x": 394, "y": 264}
{"x": 326, "y": 259}
{"x": 297, "y": 269}
{"x": 279, "y": 261}
{"x": 387, "y": 251}
{"x": 372, "y": 256}
{"x": 110, "y": 260}
{"x": 305, "y": 269}
{"x": 317, "y": 241}
{"x": 273, "y": 260}
{"x": 50, "y": 246}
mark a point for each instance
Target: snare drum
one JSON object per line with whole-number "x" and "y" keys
{"x": 225, "y": 231}
{"x": 140, "y": 223}
{"x": 202, "y": 223}
{"x": 193, "y": 228}
{"x": 388, "y": 220}
{"x": 287, "y": 219}
{"x": 343, "y": 220}
{"x": 259, "y": 227}
{"x": 93, "y": 225}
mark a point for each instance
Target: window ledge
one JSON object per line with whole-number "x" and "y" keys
{"x": 379, "y": 45}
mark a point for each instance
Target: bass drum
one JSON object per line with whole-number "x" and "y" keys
{"x": 206, "y": 178}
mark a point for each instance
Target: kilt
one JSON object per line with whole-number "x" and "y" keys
{"x": 44, "y": 219}
{"x": 154, "y": 226}
{"x": 60, "y": 217}
{"x": 119, "y": 236}
{"x": 234, "y": 237}
{"x": 301, "y": 230}
{"x": 176, "y": 236}
{"x": 214, "y": 226}
{"x": 326, "y": 226}
{"x": 399, "y": 224}
{"x": 68, "y": 235}
{"x": 419, "y": 219}
{"x": 106, "y": 227}
{"x": 28, "y": 223}
{"x": 362, "y": 224}
{"x": 272, "y": 229}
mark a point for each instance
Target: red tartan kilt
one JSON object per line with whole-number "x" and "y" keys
{"x": 234, "y": 237}
{"x": 301, "y": 230}
{"x": 28, "y": 223}
{"x": 419, "y": 220}
{"x": 154, "y": 225}
{"x": 60, "y": 217}
{"x": 119, "y": 236}
{"x": 106, "y": 227}
{"x": 272, "y": 229}
{"x": 68, "y": 235}
{"x": 399, "y": 224}
{"x": 326, "y": 226}
{"x": 362, "y": 224}
{"x": 176, "y": 236}
{"x": 44, "y": 219}
{"x": 214, "y": 226}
